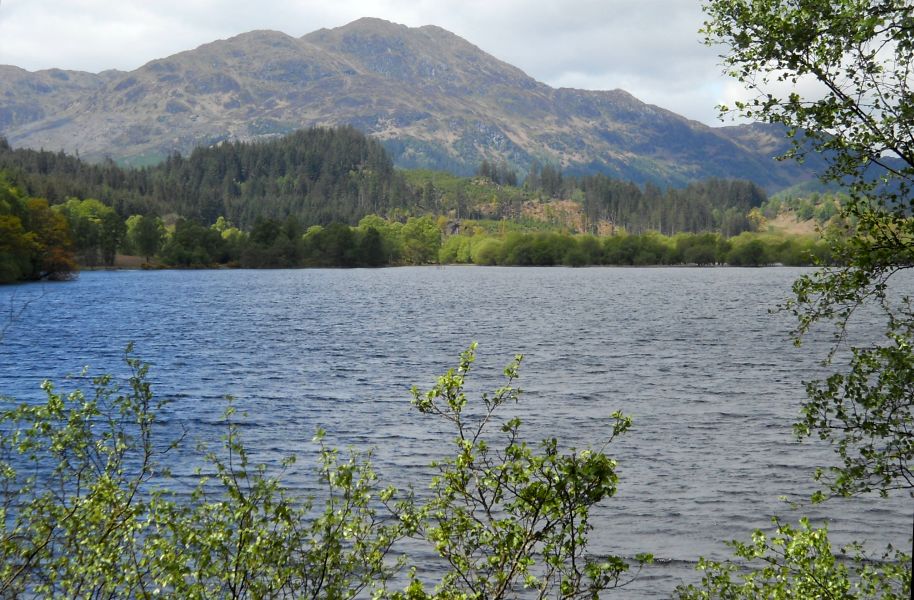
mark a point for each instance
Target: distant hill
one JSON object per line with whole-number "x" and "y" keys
{"x": 434, "y": 99}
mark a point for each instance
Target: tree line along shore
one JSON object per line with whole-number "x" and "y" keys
{"x": 331, "y": 198}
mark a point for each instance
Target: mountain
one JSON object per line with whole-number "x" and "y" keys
{"x": 434, "y": 99}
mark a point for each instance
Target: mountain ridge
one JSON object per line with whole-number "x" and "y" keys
{"x": 433, "y": 98}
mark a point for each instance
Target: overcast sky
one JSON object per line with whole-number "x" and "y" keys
{"x": 650, "y": 48}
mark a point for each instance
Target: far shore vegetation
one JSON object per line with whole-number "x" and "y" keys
{"x": 331, "y": 198}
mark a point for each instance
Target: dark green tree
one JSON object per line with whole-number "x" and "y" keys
{"x": 192, "y": 244}
{"x": 748, "y": 254}
{"x": 371, "y": 248}
{"x": 147, "y": 235}
{"x": 264, "y": 232}
{"x": 331, "y": 246}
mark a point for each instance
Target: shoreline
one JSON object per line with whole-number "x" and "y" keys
{"x": 160, "y": 267}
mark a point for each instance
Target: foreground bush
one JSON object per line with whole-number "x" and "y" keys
{"x": 799, "y": 562}
{"x": 86, "y": 509}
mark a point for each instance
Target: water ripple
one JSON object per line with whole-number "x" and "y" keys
{"x": 692, "y": 354}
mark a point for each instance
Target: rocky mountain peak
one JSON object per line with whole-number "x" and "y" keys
{"x": 435, "y": 99}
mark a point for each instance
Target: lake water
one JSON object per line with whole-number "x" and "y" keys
{"x": 693, "y": 355}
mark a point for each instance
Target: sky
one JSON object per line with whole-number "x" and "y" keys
{"x": 650, "y": 48}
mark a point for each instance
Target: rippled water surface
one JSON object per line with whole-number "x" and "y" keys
{"x": 707, "y": 373}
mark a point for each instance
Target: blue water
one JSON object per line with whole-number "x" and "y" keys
{"x": 693, "y": 355}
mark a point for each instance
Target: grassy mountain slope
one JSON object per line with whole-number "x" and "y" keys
{"x": 434, "y": 99}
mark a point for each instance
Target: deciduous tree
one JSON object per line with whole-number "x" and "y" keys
{"x": 838, "y": 75}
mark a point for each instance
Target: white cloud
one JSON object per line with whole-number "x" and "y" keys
{"x": 650, "y": 48}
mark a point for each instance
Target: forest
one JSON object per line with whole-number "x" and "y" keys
{"x": 322, "y": 175}
{"x": 331, "y": 197}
